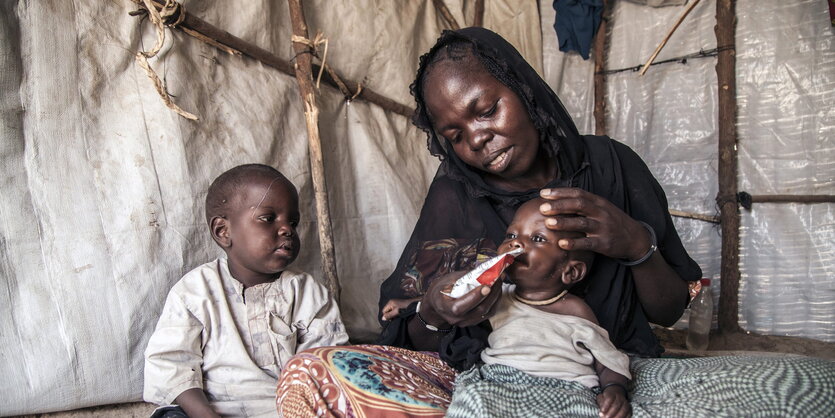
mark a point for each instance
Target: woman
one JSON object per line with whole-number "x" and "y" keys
{"x": 503, "y": 137}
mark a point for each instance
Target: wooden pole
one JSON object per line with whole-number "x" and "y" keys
{"x": 219, "y": 38}
{"x": 693, "y": 4}
{"x": 728, "y": 209}
{"x": 304, "y": 76}
{"x": 697, "y": 216}
{"x": 445, "y": 13}
{"x": 599, "y": 46}
{"x": 788, "y": 198}
{"x": 478, "y": 18}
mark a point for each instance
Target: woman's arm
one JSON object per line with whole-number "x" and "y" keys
{"x": 611, "y": 232}
{"x": 663, "y": 294}
{"x": 448, "y": 212}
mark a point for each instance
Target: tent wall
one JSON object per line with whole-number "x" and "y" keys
{"x": 786, "y": 119}
{"x": 103, "y": 187}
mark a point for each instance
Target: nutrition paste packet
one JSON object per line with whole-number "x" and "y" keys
{"x": 485, "y": 273}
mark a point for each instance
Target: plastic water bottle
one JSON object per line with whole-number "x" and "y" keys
{"x": 701, "y": 317}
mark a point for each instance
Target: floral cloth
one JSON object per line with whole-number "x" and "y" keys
{"x": 364, "y": 381}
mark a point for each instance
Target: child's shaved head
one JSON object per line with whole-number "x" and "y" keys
{"x": 225, "y": 190}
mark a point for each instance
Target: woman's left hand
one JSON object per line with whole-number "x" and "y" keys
{"x": 609, "y": 231}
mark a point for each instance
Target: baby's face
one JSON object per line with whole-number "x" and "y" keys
{"x": 263, "y": 228}
{"x": 540, "y": 267}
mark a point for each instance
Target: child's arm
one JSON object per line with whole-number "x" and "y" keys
{"x": 194, "y": 402}
{"x": 394, "y": 306}
{"x": 174, "y": 355}
{"x": 320, "y": 313}
{"x": 612, "y": 400}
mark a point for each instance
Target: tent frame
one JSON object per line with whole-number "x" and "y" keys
{"x": 729, "y": 335}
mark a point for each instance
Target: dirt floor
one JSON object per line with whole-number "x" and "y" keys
{"x": 125, "y": 410}
{"x": 730, "y": 343}
{"x": 672, "y": 340}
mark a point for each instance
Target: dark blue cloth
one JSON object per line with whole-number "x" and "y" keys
{"x": 576, "y": 23}
{"x": 170, "y": 411}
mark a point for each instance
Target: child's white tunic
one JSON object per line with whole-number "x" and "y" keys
{"x": 232, "y": 342}
{"x": 549, "y": 345}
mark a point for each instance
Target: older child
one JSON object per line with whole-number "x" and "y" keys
{"x": 542, "y": 330}
{"x": 229, "y": 325}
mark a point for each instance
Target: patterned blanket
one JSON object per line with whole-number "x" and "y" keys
{"x": 727, "y": 386}
{"x": 380, "y": 381}
{"x": 364, "y": 381}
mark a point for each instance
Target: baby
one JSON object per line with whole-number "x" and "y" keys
{"x": 541, "y": 329}
{"x": 229, "y": 325}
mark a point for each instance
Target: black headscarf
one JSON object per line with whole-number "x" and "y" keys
{"x": 504, "y": 63}
{"x": 461, "y": 205}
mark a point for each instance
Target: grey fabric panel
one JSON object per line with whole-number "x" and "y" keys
{"x": 103, "y": 186}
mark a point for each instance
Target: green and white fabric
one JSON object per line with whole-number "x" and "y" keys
{"x": 727, "y": 386}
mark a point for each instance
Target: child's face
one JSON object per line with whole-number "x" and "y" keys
{"x": 262, "y": 229}
{"x": 541, "y": 266}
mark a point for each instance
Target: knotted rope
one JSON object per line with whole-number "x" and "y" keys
{"x": 320, "y": 39}
{"x": 171, "y": 10}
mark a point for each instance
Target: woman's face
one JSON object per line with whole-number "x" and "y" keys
{"x": 486, "y": 122}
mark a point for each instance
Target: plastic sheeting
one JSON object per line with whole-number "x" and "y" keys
{"x": 785, "y": 73}
{"x": 103, "y": 186}
{"x": 787, "y": 146}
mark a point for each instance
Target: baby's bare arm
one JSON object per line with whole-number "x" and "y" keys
{"x": 612, "y": 400}
{"x": 393, "y": 307}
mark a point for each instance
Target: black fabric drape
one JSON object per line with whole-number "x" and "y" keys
{"x": 461, "y": 205}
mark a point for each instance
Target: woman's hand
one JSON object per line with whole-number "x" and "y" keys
{"x": 474, "y": 307}
{"x": 609, "y": 231}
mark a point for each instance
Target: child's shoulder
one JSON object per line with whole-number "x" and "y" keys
{"x": 576, "y": 306}
{"x": 201, "y": 277}
{"x": 572, "y": 305}
{"x": 300, "y": 280}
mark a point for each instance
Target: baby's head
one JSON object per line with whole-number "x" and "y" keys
{"x": 253, "y": 211}
{"x": 544, "y": 266}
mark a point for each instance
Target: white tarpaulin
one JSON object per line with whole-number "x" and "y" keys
{"x": 785, "y": 72}
{"x": 103, "y": 186}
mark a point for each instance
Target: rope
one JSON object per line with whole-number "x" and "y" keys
{"x": 359, "y": 90}
{"x": 681, "y": 59}
{"x": 319, "y": 39}
{"x": 171, "y": 8}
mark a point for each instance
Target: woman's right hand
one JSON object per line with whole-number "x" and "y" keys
{"x": 473, "y": 308}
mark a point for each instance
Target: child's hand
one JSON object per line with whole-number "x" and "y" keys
{"x": 392, "y": 309}
{"x": 613, "y": 403}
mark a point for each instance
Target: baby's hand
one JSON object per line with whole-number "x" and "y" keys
{"x": 613, "y": 404}
{"x": 392, "y": 309}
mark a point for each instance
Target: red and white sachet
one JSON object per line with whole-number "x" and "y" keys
{"x": 485, "y": 273}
